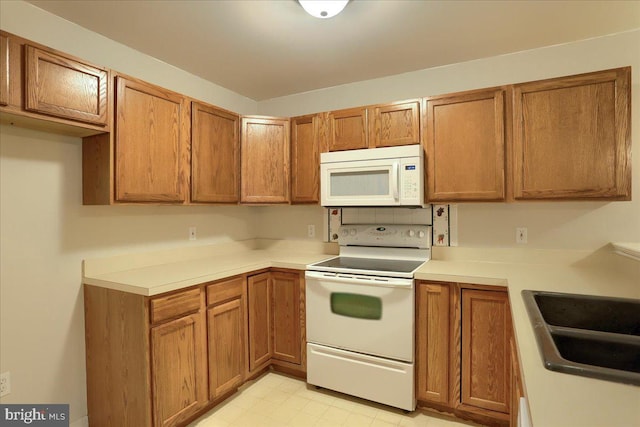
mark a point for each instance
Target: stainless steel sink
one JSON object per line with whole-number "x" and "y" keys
{"x": 597, "y": 337}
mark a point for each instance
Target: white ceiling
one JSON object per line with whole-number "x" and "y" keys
{"x": 264, "y": 49}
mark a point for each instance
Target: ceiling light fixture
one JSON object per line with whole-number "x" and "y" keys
{"x": 323, "y": 8}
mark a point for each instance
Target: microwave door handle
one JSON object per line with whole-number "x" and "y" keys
{"x": 394, "y": 180}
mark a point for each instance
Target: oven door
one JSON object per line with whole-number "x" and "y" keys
{"x": 366, "y": 314}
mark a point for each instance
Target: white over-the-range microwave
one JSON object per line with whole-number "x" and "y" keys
{"x": 390, "y": 176}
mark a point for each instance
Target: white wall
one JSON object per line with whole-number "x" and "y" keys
{"x": 570, "y": 225}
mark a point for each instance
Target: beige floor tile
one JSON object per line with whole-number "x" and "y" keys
{"x": 315, "y": 408}
{"x": 277, "y": 396}
{"x": 295, "y": 403}
{"x": 337, "y": 415}
{"x": 382, "y": 423}
{"x": 357, "y": 420}
{"x": 276, "y": 400}
{"x": 301, "y": 419}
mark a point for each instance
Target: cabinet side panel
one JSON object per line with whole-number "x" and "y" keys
{"x": 117, "y": 351}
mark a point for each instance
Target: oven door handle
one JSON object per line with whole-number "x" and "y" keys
{"x": 386, "y": 282}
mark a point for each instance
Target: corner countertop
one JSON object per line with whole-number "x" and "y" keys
{"x": 555, "y": 399}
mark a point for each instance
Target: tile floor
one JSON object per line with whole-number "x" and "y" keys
{"x": 276, "y": 400}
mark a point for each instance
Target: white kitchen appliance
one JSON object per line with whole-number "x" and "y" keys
{"x": 390, "y": 176}
{"x": 360, "y": 313}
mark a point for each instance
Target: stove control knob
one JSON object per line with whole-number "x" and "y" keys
{"x": 421, "y": 234}
{"x": 411, "y": 233}
{"x": 352, "y": 232}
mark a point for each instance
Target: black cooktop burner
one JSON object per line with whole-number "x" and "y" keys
{"x": 371, "y": 264}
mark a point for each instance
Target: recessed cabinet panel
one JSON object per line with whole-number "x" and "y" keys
{"x": 178, "y": 369}
{"x": 215, "y": 155}
{"x": 465, "y": 144}
{"x": 150, "y": 146}
{"x": 4, "y": 69}
{"x": 286, "y": 317}
{"x": 265, "y": 160}
{"x": 259, "y": 288}
{"x": 486, "y": 322}
{"x": 432, "y": 342}
{"x": 62, "y": 87}
{"x": 305, "y": 160}
{"x": 395, "y": 124}
{"x": 348, "y": 129}
{"x": 572, "y": 137}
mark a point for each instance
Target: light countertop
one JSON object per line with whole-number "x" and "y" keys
{"x": 555, "y": 399}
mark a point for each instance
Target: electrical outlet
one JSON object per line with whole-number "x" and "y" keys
{"x": 192, "y": 233}
{"x": 521, "y": 235}
{"x": 5, "y": 383}
{"x": 311, "y": 230}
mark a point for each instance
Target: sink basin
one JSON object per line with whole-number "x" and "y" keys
{"x": 597, "y": 337}
{"x": 621, "y": 316}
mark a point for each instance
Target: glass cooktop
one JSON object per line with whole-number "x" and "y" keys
{"x": 369, "y": 264}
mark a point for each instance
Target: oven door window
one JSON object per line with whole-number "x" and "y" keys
{"x": 356, "y": 305}
{"x": 362, "y": 183}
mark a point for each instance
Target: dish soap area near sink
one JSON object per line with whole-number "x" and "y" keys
{"x": 597, "y": 337}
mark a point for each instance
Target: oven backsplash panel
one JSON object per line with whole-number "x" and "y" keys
{"x": 442, "y": 218}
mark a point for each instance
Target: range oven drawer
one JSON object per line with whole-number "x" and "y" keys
{"x": 384, "y": 381}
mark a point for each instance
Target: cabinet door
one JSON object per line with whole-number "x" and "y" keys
{"x": 4, "y": 69}
{"x": 432, "y": 342}
{"x": 572, "y": 137}
{"x": 348, "y": 129}
{"x": 286, "y": 317}
{"x": 260, "y": 344}
{"x": 226, "y": 351}
{"x": 516, "y": 385}
{"x": 151, "y": 148}
{"x": 178, "y": 369}
{"x": 265, "y": 160}
{"x": 394, "y": 124}
{"x": 62, "y": 87}
{"x": 485, "y": 359}
{"x": 305, "y": 160}
{"x": 215, "y": 155}
{"x": 465, "y": 143}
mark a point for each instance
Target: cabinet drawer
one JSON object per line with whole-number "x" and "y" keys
{"x": 174, "y": 305}
{"x": 223, "y": 291}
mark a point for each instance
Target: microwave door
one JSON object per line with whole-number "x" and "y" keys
{"x": 360, "y": 183}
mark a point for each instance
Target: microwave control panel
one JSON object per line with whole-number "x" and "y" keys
{"x": 411, "y": 180}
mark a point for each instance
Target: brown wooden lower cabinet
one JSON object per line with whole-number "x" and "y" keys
{"x": 276, "y": 321}
{"x": 178, "y": 369}
{"x": 226, "y": 335}
{"x": 463, "y": 351}
{"x": 260, "y": 343}
{"x": 162, "y": 361}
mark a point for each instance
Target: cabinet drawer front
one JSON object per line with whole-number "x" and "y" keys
{"x": 164, "y": 308}
{"x": 224, "y": 291}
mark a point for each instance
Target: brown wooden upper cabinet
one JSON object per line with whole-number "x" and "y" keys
{"x": 63, "y": 87}
{"x": 572, "y": 137}
{"x": 4, "y": 69}
{"x": 465, "y": 146}
{"x": 265, "y": 160}
{"x": 383, "y": 125}
{"x": 215, "y": 155}
{"x": 394, "y": 124}
{"x": 348, "y": 129}
{"x": 305, "y": 159}
{"x": 151, "y": 143}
